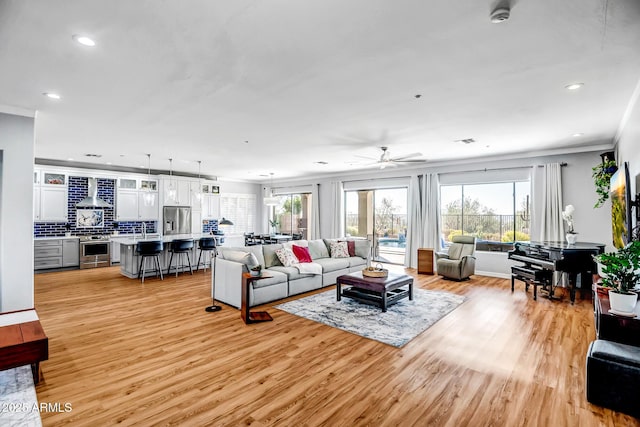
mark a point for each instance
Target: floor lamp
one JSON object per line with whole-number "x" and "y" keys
{"x": 213, "y": 308}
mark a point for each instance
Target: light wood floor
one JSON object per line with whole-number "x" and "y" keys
{"x": 127, "y": 353}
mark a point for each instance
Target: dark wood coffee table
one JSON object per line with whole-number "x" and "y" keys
{"x": 379, "y": 291}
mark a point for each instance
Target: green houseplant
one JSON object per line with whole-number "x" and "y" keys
{"x": 621, "y": 271}
{"x": 601, "y": 176}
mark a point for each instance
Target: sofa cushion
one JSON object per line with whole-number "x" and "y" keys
{"x": 333, "y": 264}
{"x": 362, "y": 248}
{"x": 356, "y": 261}
{"x": 277, "y": 277}
{"x": 257, "y": 251}
{"x": 270, "y": 257}
{"x": 318, "y": 249}
{"x": 286, "y": 257}
{"x": 339, "y": 250}
{"x": 302, "y": 253}
{"x": 291, "y": 243}
{"x": 328, "y": 242}
{"x": 246, "y": 258}
{"x": 291, "y": 272}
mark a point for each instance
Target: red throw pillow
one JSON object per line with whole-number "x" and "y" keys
{"x": 351, "y": 247}
{"x": 301, "y": 253}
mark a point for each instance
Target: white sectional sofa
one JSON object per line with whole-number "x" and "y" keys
{"x": 285, "y": 281}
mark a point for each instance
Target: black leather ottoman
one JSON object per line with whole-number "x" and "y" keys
{"x": 613, "y": 376}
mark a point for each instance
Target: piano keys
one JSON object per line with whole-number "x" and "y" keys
{"x": 542, "y": 259}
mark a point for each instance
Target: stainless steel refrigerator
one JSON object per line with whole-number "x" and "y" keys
{"x": 176, "y": 220}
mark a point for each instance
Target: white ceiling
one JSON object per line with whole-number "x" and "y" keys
{"x": 307, "y": 81}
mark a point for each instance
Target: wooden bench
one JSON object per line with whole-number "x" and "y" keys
{"x": 22, "y": 341}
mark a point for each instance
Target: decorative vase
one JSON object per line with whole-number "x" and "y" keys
{"x": 622, "y": 303}
{"x": 571, "y": 238}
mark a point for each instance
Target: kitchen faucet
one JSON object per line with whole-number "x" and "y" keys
{"x": 144, "y": 230}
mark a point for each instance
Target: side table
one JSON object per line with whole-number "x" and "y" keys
{"x": 611, "y": 327}
{"x": 425, "y": 261}
{"x": 251, "y": 316}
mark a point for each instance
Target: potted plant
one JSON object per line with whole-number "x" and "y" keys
{"x": 602, "y": 176}
{"x": 67, "y": 227}
{"x": 255, "y": 271}
{"x": 274, "y": 224}
{"x": 621, "y": 272}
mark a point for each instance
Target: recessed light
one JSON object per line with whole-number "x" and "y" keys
{"x": 83, "y": 40}
{"x": 69, "y": 159}
{"x": 575, "y": 135}
{"x": 466, "y": 140}
{"x": 52, "y": 95}
{"x": 321, "y": 163}
{"x": 574, "y": 86}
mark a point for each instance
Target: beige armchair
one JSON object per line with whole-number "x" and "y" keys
{"x": 459, "y": 263}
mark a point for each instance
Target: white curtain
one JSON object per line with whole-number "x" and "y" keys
{"x": 547, "y": 224}
{"x": 414, "y": 224}
{"x": 431, "y": 229}
{"x": 313, "y": 232}
{"x": 337, "y": 219}
{"x": 423, "y": 221}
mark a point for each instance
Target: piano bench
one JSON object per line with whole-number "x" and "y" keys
{"x": 613, "y": 375}
{"x": 531, "y": 276}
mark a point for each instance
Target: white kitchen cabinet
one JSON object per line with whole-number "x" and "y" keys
{"x": 196, "y": 221}
{"x": 183, "y": 189}
{"x": 148, "y": 210}
{"x": 36, "y": 202}
{"x": 49, "y": 197}
{"x": 210, "y": 206}
{"x": 130, "y": 201}
{"x": 53, "y": 204}
{"x": 127, "y": 205}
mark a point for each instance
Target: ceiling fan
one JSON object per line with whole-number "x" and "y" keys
{"x": 386, "y": 159}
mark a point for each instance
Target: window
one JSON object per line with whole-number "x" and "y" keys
{"x": 241, "y": 210}
{"x": 497, "y": 214}
{"x": 291, "y": 214}
{"x": 381, "y": 216}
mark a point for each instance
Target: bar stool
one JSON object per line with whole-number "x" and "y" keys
{"x": 151, "y": 249}
{"x": 205, "y": 244}
{"x": 180, "y": 247}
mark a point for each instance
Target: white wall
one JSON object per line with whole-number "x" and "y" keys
{"x": 592, "y": 225}
{"x": 16, "y": 207}
{"x": 628, "y": 144}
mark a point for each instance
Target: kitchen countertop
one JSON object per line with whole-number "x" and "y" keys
{"x": 56, "y": 237}
{"x": 129, "y": 239}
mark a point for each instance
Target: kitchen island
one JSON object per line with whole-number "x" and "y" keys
{"x": 130, "y": 261}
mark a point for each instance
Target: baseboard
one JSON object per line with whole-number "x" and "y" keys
{"x": 493, "y": 274}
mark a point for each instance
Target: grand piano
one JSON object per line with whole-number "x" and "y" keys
{"x": 542, "y": 259}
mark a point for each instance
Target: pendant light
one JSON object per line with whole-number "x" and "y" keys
{"x": 171, "y": 192}
{"x": 148, "y": 197}
{"x": 271, "y": 200}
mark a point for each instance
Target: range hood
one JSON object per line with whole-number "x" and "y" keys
{"x": 92, "y": 200}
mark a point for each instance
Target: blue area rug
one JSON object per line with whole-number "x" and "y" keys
{"x": 401, "y": 323}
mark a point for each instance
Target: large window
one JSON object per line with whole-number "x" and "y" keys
{"x": 291, "y": 214}
{"x": 380, "y": 216}
{"x": 497, "y": 214}
{"x": 241, "y": 210}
